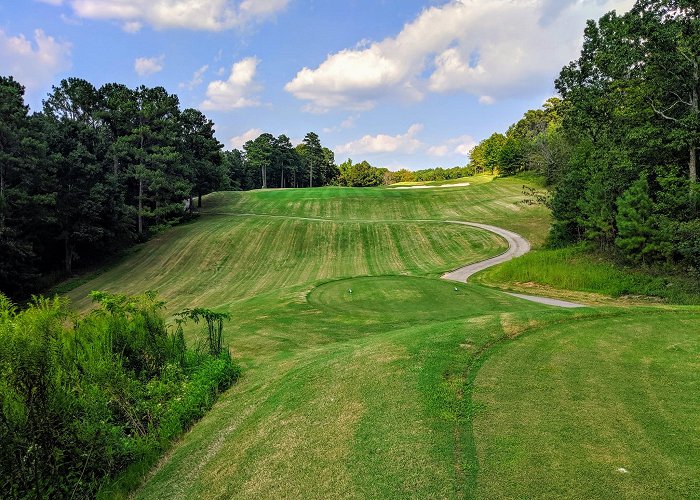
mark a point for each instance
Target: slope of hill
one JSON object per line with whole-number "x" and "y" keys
{"x": 368, "y": 376}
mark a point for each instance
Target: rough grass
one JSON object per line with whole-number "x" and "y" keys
{"x": 575, "y": 268}
{"x": 370, "y": 394}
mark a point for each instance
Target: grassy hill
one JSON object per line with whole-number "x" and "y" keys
{"x": 410, "y": 386}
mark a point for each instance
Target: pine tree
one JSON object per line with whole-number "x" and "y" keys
{"x": 634, "y": 222}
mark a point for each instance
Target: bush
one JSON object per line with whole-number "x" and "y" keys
{"x": 84, "y": 398}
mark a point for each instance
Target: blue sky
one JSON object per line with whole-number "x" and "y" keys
{"x": 402, "y": 83}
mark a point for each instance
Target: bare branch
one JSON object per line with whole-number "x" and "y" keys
{"x": 687, "y": 57}
{"x": 680, "y": 99}
{"x": 663, "y": 113}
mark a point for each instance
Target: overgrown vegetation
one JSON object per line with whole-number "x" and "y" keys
{"x": 85, "y": 399}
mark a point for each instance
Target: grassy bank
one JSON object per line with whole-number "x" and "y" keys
{"x": 577, "y": 268}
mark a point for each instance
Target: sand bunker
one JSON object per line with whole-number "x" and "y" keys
{"x": 460, "y": 184}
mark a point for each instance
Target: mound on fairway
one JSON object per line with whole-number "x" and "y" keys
{"x": 380, "y": 393}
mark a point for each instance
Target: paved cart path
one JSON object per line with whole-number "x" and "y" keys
{"x": 517, "y": 246}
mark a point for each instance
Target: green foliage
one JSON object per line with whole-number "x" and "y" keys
{"x": 83, "y": 398}
{"x": 215, "y": 326}
{"x": 622, "y": 116}
{"x": 634, "y": 223}
{"x": 269, "y": 162}
{"x": 511, "y": 157}
{"x": 433, "y": 174}
{"x": 95, "y": 171}
{"x": 630, "y": 118}
{"x": 485, "y": 155}
{"x": 535, "y": 143}
{"x": 359, "y": 174}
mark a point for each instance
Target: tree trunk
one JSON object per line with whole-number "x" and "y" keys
{"x": 69, "y": 255}
{"x": 199, "y": 199}
{"x": 264, "y": 176}
{"x": 189, "y": 207}
{"x": 311, "y": 174}
{"x": 695, "y": 102}
{"x": 693, "y": 164}
{"x": 2, "y": 202}
{"x": 140, "y": 217}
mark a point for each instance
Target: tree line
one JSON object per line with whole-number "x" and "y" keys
{"x": 619, "y": 148}
{"x": 99, "y": 169}
{"x": 94, "y": 170}
{"x": 272, "y": 162}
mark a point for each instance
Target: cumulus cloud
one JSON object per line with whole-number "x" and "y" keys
{"x": 236, "y": 92}
{"x": 146, "y": 66}
{"x": 211, "y": 15}
{"x": 383, "y": 143}
{"x": 407, "y": 143}
{"x": 493, "y": 50}
{"x": 34, "y": 64}
{"x": 349, "y": 122}
{"x": 197, "y": 78}
{"x": 457, "y": 146}
{"x": 238, "y": 141}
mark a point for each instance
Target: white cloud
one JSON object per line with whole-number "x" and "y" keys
{"x": 349, "y": 122}
{"x": 211, "y": 15}
{"x": 146, "y": 66}
{"x": 197, "y": 78}
{"x": 36, "y": 64}
{"x": 383, "y": 143}
{"x": 407, "y": 143}
{"x": 132, "y": 26}
{"x": 493, "y": 50}
{"x": 459, "y": 145}
{"x": 238, "y": 141}
{"x": 236, "y": 92}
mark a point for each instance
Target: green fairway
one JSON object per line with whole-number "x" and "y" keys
{"x": 608, "y": 409}
{"x": 367, "y": 376}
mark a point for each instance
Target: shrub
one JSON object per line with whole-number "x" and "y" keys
{"x": 83, "y": 399}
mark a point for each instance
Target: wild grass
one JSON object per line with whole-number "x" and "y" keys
{"x": 88, "y": 398}
{"x": 576, "y": 268}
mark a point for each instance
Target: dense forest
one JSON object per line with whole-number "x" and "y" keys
{"x": 97, "y": 170}
{"x": 620, "y": 148}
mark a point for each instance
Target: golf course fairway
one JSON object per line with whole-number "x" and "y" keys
{"x": 366, "y": 375}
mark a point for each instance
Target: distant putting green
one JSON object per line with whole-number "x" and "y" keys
{"x": 410, "y": 386}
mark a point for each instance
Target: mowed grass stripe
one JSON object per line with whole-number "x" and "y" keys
{"x": 222, "y": 259}
{"x": 369, "y": 394}
{"x": 489, "y": 201}
{"x": 610, "y": 411}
